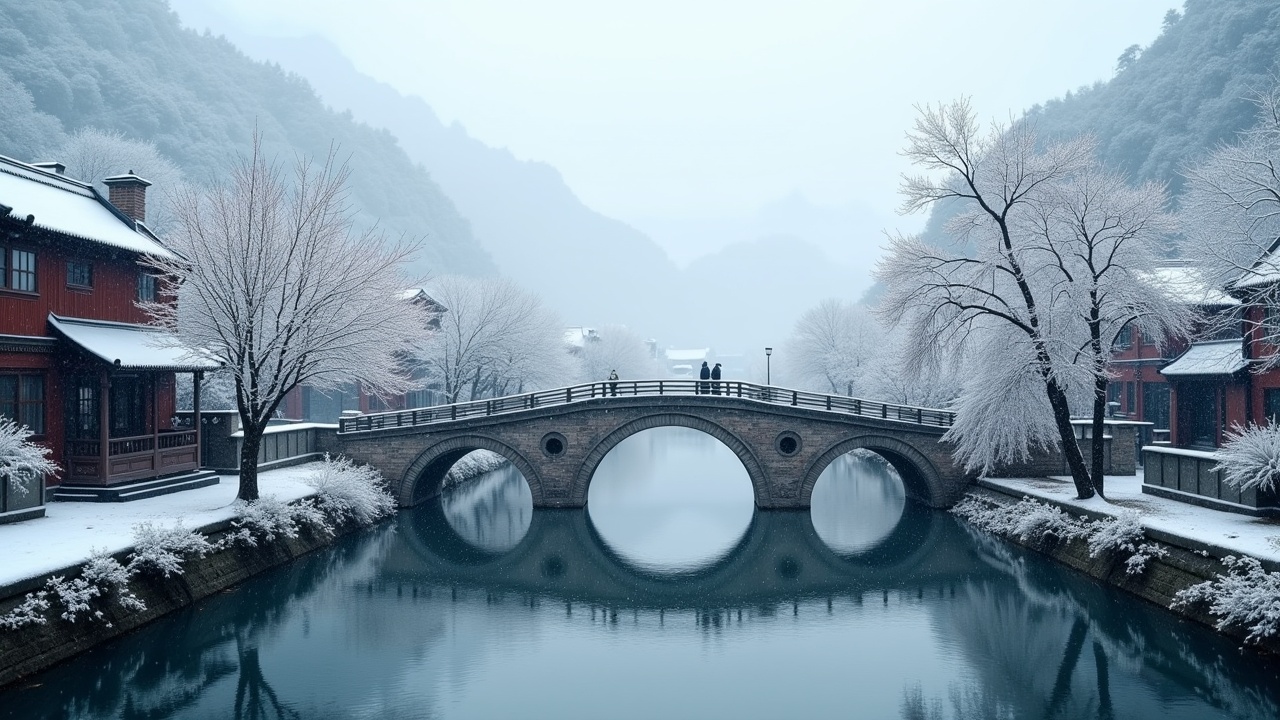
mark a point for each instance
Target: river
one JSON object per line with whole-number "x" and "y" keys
{"x": 669, "y": 596}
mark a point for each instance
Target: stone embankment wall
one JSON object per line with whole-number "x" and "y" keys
{"x": 1186, "y": 563}
{"x": 36, "y": 647}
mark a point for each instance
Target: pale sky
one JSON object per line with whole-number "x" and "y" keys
{"x": 669, "y": 112}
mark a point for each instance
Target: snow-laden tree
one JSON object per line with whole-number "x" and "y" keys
{"x": 1050, "y": 260}
{"x": 834, "y": 346}
{"x": 495, "y": 338}
{"x": 1231, "y": 215}
{"x": 21, "y": 461}
{"x": 617, "y": 348}
{"x": 272, "y": 280}
{"x": 91, "y": 154}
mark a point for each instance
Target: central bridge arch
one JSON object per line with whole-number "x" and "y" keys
{"x": 745, "y": 455}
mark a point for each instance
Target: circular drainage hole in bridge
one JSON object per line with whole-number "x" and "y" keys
{"x": 554, "y": 444}
{"x": 787, "y": 443}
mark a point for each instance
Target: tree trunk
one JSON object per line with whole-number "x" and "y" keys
{"x": 1099, "y": 413}
{"x": 1067, "y": 434}
{"x": 249, "y": 462}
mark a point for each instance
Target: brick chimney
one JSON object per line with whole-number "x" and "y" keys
{"x": 128, "y": 192}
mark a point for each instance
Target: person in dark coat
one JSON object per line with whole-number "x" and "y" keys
{"x": 613, "y": 382}
{"x": 715, "y": 379}
{"x": 704, "y": 374}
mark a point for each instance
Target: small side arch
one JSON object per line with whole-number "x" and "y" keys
{"x": 920, "y": 477}
{"x": 424, "y": 476}
{"x": 755, "y": 470}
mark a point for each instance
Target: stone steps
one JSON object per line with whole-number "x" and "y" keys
{"x": 140, "y": 490}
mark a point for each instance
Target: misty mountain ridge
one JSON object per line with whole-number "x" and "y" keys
{"x": 592, "y": 269}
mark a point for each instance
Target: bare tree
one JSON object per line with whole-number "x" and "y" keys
{"x": 1050, "y": 263}
{"x": 91, "y": 155}
{"x": 272, "y": 281}
{"x": 496, "y": 338}
{"x": 617, "y": 348}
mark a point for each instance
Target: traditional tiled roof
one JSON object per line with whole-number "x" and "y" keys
{"x": 125, "y": 345}
{"x": 70, "y": 207}
{"x": 1188, "y": 285}
{"x": 1220, "y": 357}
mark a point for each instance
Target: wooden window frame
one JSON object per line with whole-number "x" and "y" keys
{"x": 72, "y": 265}
{"x": 148, "y": 282}
{"x": 8, "y": 271}
{"x": 20, "y": 401}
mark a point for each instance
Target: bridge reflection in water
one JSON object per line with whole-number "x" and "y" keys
{"x": 479, "y": 607}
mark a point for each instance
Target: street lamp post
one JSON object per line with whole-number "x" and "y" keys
{"x": 767, "y": 375}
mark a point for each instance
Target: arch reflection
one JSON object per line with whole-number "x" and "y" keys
{"x": 857, "y": 502}
{"x": 671, "y": 500}
{"x": 490, "y": 512}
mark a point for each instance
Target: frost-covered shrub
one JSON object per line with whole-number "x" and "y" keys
{"x": 1250, "y": 457}
{"x": 30, "y": 612}
{"x": 346, "y": 491}
{"x": 479, "y": 462}
{"x": 1247, "y": 596}
{"x": 269, "y": 517}
{"x": 1124, "y": 533}
{"x": 20, "y": 461}
{"x": 1025, "y": 519}
{"x": 163, "y": 550}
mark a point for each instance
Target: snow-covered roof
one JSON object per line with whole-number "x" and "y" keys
{"x": 124, "y": 345}
{"x": 1266, "y": 271}
{"x": 578, "y": 336}
{"x": 688, "y": 354}
{"x": 69, "y": 207}
{"x": 1220, "y": 357}
{"x": 1187, "y": 284}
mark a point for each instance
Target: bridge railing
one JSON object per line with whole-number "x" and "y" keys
{"x": 634, "y": 388}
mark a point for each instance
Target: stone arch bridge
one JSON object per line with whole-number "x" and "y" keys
{"x": 557, "y": 438}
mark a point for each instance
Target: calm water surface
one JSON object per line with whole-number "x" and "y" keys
{"x": 669, "y": 597}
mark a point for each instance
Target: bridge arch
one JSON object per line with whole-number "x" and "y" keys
{"x": 424, "y": 476}
{"x": 755, "y": 470}
{"x": 919, "y": 476}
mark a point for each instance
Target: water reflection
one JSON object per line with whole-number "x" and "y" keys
{"x": 490, "y": 512}
{"x": 671, "y": 500}
{"x": 927, "y": 620}
{"x": 857, "y": 502}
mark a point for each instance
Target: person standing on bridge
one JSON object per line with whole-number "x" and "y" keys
{"x": 613, "y": 382}
{"x": 715, "y": 379}
{"x": 704, "y": 374}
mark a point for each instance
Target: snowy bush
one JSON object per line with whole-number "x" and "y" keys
{"x": 1247, "y": 596}
{"x": 163, "y": 550}
{"x": 20, "y": 461}
{"x": 269, "y": 517}
{"x": 477, "y": 463}
{"x": 1124, "y": 533}
{"x": 1250, "y": 458}
{"x": 346, "y": 491}
{"x": 1023, "y": 520}
{"x": 30, "y": 612}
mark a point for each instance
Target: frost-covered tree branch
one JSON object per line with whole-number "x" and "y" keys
{"x": 273, "y": 281}
{"x": 21, "y": 461}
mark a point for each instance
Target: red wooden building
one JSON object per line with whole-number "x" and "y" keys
{"x": 1139, "y": 390}
{"x": 78, "y": 365}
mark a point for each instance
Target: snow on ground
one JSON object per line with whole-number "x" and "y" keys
{"x": 70, "y": 531}
{"x": 1232, "y": 532}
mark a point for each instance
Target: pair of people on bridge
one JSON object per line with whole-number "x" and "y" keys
{"x": 712, "y": 374}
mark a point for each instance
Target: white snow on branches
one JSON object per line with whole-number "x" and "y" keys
{"x": 346, "y": 491}
{"x": 21, "y": 461}
{"x": 1029, "y": 518}
{"x": 1247, "y": 596}
{"x": 163, "y": 550}
{"x": 1250, "y": 458}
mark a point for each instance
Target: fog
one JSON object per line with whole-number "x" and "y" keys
{"x": 702, "y": 173}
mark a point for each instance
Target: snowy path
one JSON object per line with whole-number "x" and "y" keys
{"x": 70, "y": 531}
{"x": 1259, "y": 537}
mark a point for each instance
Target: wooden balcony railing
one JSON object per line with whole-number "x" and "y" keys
{"x": 131, "y": 458}
{"x": 634, "y": 388}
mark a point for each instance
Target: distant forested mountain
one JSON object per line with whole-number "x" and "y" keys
{"x": 1171, "y": 102}
{"x": 129, "y": 66}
